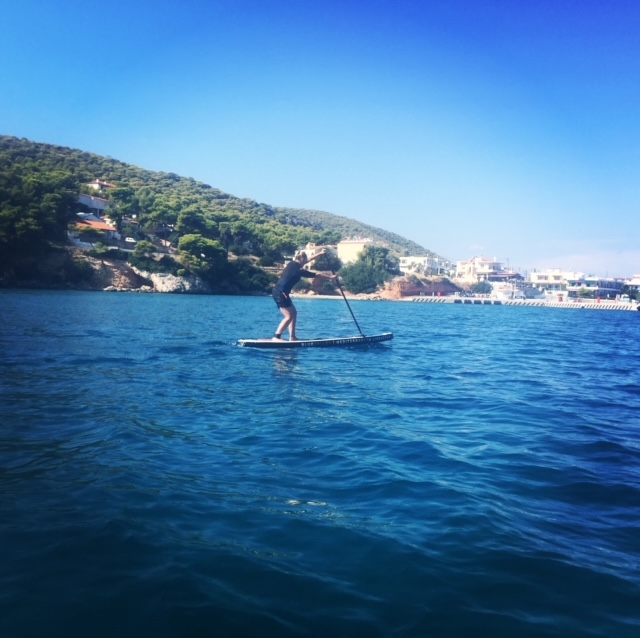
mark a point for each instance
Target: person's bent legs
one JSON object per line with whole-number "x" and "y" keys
{"x": 292, "y": 325}
{"x": 289, "y": 321}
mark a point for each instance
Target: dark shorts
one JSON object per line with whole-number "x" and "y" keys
{"x": 282, "y": 299}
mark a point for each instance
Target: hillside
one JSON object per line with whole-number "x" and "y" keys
{"x": 39, "y": 189}
{"x": 152, "y": 187}
{"x": 347, "y": 227}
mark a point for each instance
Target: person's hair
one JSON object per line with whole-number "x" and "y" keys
{"x": 300, "y": 253}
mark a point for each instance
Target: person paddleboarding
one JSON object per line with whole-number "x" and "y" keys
{"x": 291, "y": 275}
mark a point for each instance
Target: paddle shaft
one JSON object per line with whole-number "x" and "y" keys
{"x": 348, "y": 306}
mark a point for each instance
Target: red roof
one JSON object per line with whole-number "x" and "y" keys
{"x": 95, "y": 225}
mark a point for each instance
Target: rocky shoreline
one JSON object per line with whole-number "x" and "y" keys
{"x": 117, "y": 276}
{"x": 157, "y": 282}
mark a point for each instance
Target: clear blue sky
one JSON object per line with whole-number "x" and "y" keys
{"x": 474, "y": 127}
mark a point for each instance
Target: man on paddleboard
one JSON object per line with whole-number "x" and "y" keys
{"x": 291, "y": 275}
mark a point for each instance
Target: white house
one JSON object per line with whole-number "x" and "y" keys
{"x": 552, "y": 282}
{"x": 414, "y": 264}
{"x": 96, "y": 205}
{"x": 427, "y": 264}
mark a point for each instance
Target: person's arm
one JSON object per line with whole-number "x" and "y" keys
{"x": 331, "y": 277}
{"x": 322, "y": 252}
{"x": 310, "y": 273}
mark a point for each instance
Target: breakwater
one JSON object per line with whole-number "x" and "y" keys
{"x": 573, "y": 305}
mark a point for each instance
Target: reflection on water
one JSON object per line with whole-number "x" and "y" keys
{"x": 286, "y": 362}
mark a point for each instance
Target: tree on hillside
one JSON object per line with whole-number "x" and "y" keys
{"x": 144, "y": 249}
{"x": 274, "y": 244}
{"x": 371, "y": 270}
{"x": 380, "y": 258}
{"x": 204, "y": 256}
{"x": 192, "y": 220}
{"x": 245, "y": 277}
{"x": 123, "y": 203}
{"x": 233, "y": 234}
{"x": 35, "y": 207}
{"x": 144, "y": 257}
{"x": 361, "y": 278}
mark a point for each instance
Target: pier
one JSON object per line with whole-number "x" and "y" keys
{"x": 542, "y": 303}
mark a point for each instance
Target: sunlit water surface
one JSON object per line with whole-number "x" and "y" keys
{"x": 477, "y": 476}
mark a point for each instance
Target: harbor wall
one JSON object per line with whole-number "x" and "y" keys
{"x": 572, "y": 305}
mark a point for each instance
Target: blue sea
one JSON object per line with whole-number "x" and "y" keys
{"x": 479, "y": 475}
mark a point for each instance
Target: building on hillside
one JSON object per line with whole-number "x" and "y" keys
{"x": 479, "y": 269}
{"x": 97, "y": 205}
{"x": 444, "y": 267}
{"x": 349, "y": 249}
{"x": 110, "y": 231}
{"x": 415, "y": 264}
{"x": 311, "y": 249}
{"x": 99, "y": 185}
{"x": 89, "y": 221}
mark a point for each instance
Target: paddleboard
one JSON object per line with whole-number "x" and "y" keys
{"x": 315, "y": 343}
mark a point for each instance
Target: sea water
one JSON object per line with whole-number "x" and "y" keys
{"x": 479, "y": 475}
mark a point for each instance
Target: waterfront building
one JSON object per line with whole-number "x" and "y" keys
{"x": 634, "y": 283}
{"x": 594, "y": 287}
{"x": 553, "y": 281}
{"x": 479, "y": 269}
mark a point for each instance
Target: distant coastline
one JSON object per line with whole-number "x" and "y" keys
{"x": 577, "y": 304}
{"x": 383, "y": 295}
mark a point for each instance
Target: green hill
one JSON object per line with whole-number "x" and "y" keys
{"x": 39, "y": 189}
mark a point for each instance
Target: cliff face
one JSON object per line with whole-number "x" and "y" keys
{"x": 114, "y": 276}
{"x": 121, "y": 277}
{"x": 161, "y": 282}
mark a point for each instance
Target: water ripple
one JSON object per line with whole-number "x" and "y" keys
{"x": 478, "y": 475}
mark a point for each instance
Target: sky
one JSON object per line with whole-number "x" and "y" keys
{"x": 473, "y": 127}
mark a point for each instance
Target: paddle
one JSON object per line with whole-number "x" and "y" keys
{"x": 348, "y": 306}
